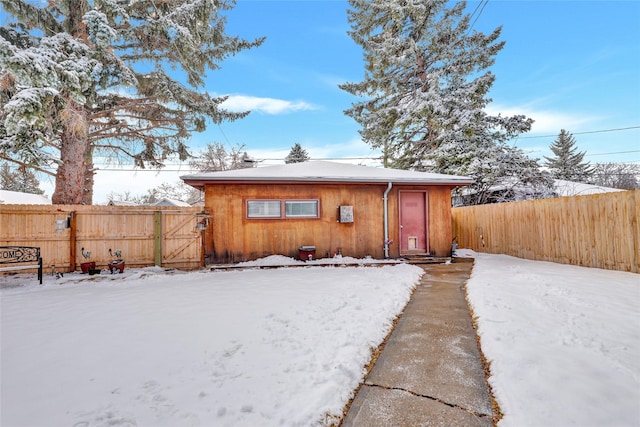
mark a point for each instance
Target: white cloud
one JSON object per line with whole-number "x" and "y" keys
{"x": 265, "y": 105}
{"x": 546, "y": 121}
{"x": 353, "y": 148}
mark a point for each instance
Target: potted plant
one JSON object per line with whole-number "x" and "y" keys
{"x": 116, "y": 264}
{"x": 87, "y": 265}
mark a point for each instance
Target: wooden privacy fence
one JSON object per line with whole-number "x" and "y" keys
{"x": 164, "y": 236}
{"x": 599, "y": 230}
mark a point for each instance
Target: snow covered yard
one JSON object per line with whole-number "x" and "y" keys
{"x": 287, "y": 346}
{"x": 152, "y": 348}
{"x": 563, "y": 341}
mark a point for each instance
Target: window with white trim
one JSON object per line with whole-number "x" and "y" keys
{"x": 283, "y": 209}
{"x": 301, "y": 208}
{"x": 264, "y": 209}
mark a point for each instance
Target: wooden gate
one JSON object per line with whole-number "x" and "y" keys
{"x": 181, "y": 238}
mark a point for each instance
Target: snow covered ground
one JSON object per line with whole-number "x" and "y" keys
{"x": 563, "y": 341}
{"x": 287, "y": 346}
{"x": 155, "y": 348}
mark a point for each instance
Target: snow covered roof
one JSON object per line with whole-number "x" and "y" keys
{"x": 121, "y": 203}
{"x": 561, "y": 188}
{"x": 571, "y": 188}
{"x": 171, "y": 202}
{"x": 18, "y": 198}
{"x": 324, "y": 171}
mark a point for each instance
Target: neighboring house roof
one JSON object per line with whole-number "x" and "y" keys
{"x": 121, "y": 203}
{"x": 570, "y": 188}
{"x": 171, "y": 202}
{"x": 18, "y": 198}
{"x": 323, "y": 171}
{"x": 520, "y": 191}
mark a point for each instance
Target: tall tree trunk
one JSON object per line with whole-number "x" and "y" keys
{"x": 70, "y": 178}
{"x": 89, "y": 173}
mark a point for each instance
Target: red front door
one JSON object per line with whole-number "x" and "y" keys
{"x": 413, "y": 222}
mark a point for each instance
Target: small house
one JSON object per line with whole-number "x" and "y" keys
{"x": 325, "y": 208}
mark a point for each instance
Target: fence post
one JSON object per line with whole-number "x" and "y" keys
{"x": 202, "y": 247}
{"x": 72, "y": 241}
{"x": 157, "y": 236}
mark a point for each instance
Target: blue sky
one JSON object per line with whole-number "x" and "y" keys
{"x": 566, "y": 64}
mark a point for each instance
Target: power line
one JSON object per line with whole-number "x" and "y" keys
{"x": 598, "y": 154}
{"x": 190, "y": 169}
{"x": 223, "y": 134}
{"x": 484, "y": 4}
{"x": 613, "y": 152}
{"x": 581, "y": 133}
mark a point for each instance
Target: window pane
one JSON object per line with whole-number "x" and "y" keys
{"x": 263, "y": 208}
{"x": 307, "y": 208}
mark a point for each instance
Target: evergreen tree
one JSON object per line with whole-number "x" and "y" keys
{"x": 22, "y": 180}
{"x": 567, "y": 163}
{"x": 426, "y": 84}
{"x": 6, "y": 177}
{"x": 81, "y": 78}
{"x": 501, "y": 174}
{"x": 297, "y": 155}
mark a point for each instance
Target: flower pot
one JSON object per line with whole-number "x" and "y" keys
{"x": 117, "y": 265}
{"x": 86, "y": 266}
{"x": 307, "y": 253}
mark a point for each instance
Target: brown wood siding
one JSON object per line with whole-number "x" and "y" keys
{"x": 233, "y": 238}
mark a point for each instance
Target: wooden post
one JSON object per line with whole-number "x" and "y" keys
{"x": 157, "y": 235}
{"x": 72, "y": 241}
{"x": 203, "y": 234}
{"x": 202, "y": 247}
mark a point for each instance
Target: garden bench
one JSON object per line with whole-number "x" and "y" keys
{"x": 21, "y": 255}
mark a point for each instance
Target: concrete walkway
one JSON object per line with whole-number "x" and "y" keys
{"x": 429, "y": 373}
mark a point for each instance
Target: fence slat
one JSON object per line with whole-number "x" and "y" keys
{"x": 600, "y": 230}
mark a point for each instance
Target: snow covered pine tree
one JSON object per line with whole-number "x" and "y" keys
{"x": 75, "y": 82}
{"x": 22, "y": 180}
{"x": 297, "y": 154}
{"x": 426, "y": 85}
{"x": 566, "y": 162}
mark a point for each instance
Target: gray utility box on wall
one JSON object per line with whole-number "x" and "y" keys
{"x": 345, "y": 214}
